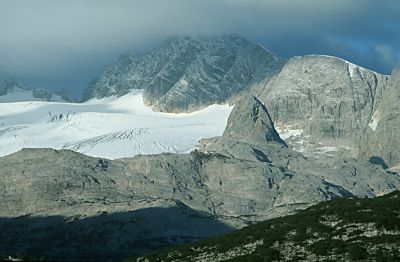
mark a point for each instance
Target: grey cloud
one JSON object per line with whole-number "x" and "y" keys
{"x": 66, "y": 42}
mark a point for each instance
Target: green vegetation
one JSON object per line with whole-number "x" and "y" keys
{"x": 342, "y": 229}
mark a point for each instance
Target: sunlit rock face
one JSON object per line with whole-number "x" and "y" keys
{"x": 326, "y": 105}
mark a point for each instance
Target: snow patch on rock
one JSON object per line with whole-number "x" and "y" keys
{"x": 352, "y": 68}
{"x": 288, "y": 131}
{"x": 373, "y": 123}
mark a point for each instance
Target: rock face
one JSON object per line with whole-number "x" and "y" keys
{"x": 232, "y": 181}
{"x": 186, "y": 74}
{"x": 381, "y": 140}
{"x": 251, "y": 123}
{"x": 326, "y": 104}
{"x": 14, "y": 91}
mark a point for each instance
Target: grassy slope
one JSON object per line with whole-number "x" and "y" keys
{"x": 342, "y": 229}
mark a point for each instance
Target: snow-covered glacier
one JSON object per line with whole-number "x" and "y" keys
{"x": 112, "y": 127}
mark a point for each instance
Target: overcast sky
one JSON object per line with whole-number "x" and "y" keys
{"x": 66, "y": 43}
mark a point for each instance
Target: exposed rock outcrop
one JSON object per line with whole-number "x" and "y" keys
{"x": 322, "y": 103}
{"x": 251, "y": 123}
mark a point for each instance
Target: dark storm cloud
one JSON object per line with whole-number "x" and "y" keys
{"x": 65, "y": 43}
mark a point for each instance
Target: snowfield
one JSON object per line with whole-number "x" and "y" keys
{"x": 113, "y": 127}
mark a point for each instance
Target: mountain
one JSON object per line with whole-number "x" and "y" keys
{"x": 326, "y": 105}
{"x": 319, "y": 129}
{"x": 112, "y": 127}
{"x": 338, "y": 230}
{"x": 15, "y": 91}
{"x": 321, "y": 105}
{"x": 75, "y": 205}
{"x": 185, "y": 74}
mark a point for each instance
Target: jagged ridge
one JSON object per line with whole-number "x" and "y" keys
{"x": 188, "y": 73}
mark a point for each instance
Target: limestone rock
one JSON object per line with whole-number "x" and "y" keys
{"x": 326, "y": 105}
{"x": 188, "y": 73}
{"x": 381, "y": 141}
{"x": 251, "y": 123}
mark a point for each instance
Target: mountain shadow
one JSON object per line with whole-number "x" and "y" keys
{"x": 376, "y": 160}
{"x": 359, "y": 229}
{"x": 105, "y": 237}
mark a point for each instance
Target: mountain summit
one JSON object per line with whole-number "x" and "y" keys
{"x": 188, "y": 73}
{"x": 250, "y": 122}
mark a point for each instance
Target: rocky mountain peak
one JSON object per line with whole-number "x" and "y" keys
{"x": 186, "y": 74}
{"x": 250, "y": 122}
{"x": 324, "y": 105}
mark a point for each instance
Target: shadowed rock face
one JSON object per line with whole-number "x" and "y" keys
{"x": 186, "y": 74}
{"x": 105, "y": 237}
{"x": 9, "y": 85}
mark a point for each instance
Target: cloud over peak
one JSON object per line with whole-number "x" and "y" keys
{"x": 68, "y": 42}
